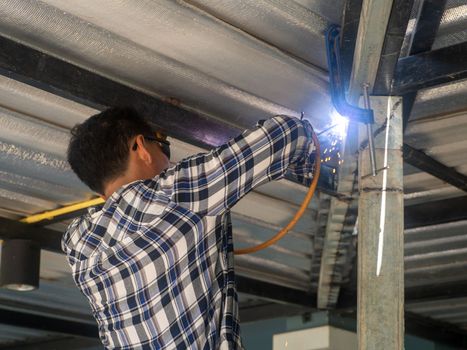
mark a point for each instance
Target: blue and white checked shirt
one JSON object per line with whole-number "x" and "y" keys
{"x": 156, "y": 261}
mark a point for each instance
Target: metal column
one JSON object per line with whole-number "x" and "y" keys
{"x": 380, "y": 232}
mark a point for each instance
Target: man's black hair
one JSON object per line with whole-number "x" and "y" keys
{"x": 99, "y": 147}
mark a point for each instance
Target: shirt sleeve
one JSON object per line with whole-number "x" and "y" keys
{"x": 211, "y": 183}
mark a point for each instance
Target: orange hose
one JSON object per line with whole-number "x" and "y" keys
{"x": 298, "y": 214}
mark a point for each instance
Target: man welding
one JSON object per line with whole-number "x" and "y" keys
{"x": 156, "y": 261}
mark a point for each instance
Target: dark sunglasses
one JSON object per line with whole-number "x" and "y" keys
{"x": 163, "y": 143}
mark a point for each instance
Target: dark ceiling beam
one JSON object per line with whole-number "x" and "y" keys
{"x": 427, "y": 26}
{"x": 394, "y": 38}
{"x": 431, "y": 68}
{"x": 268, "y": 311}
{"x": 439, "y": 331}
{"x": 56, "y": 342}
{"x": 421, "y": 161}
{"x": 35, "y": 68}
{"x": 436, "y": 212}
{"x": 47, "y": 323}
{"x": 436, "y": 292}
{"x": 61, "y": 78}
{"x": 423, "y": 37}
{"x": 47, "y": 238}
{"x": 275, "y": 293}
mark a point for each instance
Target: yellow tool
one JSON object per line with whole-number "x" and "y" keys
{"x": 49, "y": 215}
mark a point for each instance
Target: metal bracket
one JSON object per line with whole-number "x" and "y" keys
{"x": 362, "y": 115}
{"x": 337, "y": 85}
{"x": 377, "y": 171}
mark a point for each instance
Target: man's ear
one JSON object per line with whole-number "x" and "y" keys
{"x": 141, "y": 150}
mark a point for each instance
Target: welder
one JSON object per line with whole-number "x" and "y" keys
{"x": 156, "y": 260}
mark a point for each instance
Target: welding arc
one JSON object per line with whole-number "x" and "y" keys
{"x": 298, "y": 214}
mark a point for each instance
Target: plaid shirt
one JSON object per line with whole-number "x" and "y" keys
{"x": 156, "y": 261}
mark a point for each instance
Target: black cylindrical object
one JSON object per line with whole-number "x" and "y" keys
{"x": 20, "y": 264}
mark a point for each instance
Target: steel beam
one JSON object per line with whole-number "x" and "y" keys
{"x": 374, "y": 20}
{"x": 439, "y": 292}
{"x": 35, "y": 68}
{"x": 431, "y": 166}
{"x": 431, "y": 68}
{"x": 439, "y": 331}
{"x": 395, "y": 34}
{"x": 270, "y": 310}
{"x": 436, "y": 212}
{"x": 47, "y": 238}
{"x": 51, "y": 74}
{"x": 436, "y": 292}
{"x": 59, "y": 342}
{"x": 47, "y": 323}
{"x": 275, "y": 293}
{"x": 427, "y": 25}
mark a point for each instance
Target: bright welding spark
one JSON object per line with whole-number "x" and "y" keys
{"x": 339, "y": 123}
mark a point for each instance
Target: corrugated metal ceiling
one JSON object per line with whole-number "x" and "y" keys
{"x": 237, "y": 64}
{"x": 438, "y": 254}
{"x": 167, "y": 49}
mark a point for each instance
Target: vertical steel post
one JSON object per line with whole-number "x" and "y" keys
{"x": 369, "y": 129}
{"x": 380, "y": 232}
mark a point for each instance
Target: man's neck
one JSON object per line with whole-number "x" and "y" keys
{"x": 114, "y": 185}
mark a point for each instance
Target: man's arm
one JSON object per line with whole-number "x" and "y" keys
{"x": 212, "y": 183}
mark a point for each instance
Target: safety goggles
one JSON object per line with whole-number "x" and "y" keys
{"x": 161, "y": 140}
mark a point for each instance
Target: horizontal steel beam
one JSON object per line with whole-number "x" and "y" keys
{"x": 35, "y": 68}
{"x": 435, "y": 330}
{"x": 431, "y": 166}
{"x": 57, "y": 342}
{"x": 47, "y": 238}
{"x": 275, "y": 293}
{"x": 436, "y": 292}
{"x": 51, "y": 74}
{"x": 430, "y": 68}
{"x": 47, "y": 323}
{"x": 270, "y": 310}
{"x": 436, "y": 212}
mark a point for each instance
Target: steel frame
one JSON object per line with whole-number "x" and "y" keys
{"x": 428, "y": 69}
